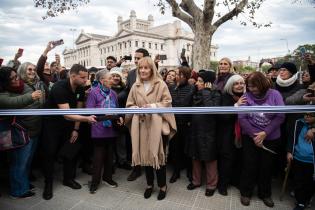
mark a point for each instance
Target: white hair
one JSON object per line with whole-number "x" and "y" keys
{"x": 228, "y": 88}
{"x": 100, "y": 74}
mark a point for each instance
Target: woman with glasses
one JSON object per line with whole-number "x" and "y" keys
{"x": 229, "y": 140}
{"x": 15, "y": 94}
{"x": 260, "y": 139}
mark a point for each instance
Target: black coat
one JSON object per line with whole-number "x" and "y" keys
{"x": 182, "y": 96}
{"x": 226, "y": 122}
{"x": 202, "y": 145}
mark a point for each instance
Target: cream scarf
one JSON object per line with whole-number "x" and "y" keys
{"x": 287, "y": 82}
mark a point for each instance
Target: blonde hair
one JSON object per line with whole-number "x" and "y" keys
{"x": 147, "y": 60}
{"x": 229, "y": 61}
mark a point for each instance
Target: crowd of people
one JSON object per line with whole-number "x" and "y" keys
{"x": 244, "y": 150}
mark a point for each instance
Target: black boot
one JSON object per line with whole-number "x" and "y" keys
{"x": 48, "y": 191}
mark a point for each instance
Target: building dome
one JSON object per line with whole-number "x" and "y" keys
{"x": 132, "y": 13}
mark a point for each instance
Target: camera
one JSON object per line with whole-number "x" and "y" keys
{"x": 128, "y": 57}
{"x": 162, "y": 57}
{"x": 56, "y": 43}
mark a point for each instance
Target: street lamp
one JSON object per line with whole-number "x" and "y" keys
{"x": 73, "y": 30}
{"x": 286, "y": 41}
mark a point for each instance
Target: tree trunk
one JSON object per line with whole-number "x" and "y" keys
{"x": 201, "y": 50}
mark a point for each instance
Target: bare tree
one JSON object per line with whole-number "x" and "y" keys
{"x": 204, "y": 21}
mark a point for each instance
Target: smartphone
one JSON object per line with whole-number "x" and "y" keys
{"x": 1, "y": 61}
{"x": 162, "y": 57}
{"x": 127, "y": 57}
{"x": 20, "y": 51}
{"x": 56, "y": 43}
{"x": 312, "y": 92}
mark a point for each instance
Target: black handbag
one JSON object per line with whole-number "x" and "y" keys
{"x": 12, "y": 134}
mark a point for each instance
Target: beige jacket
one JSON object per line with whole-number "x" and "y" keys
{"x": 146, "y": 129}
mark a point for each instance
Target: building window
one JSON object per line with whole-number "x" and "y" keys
{"x": 150, "y": 45}
{"x": 112, "y": 48}
{"x": 136, "y": 43}
{"x": 143, "y": 44}
{"x": 129, "y": 43}
{"x": 101, "y": 51}
{"x": 162, "y": 46}
{"x": 125, "y": 45}
{"x": 107, "y": 49}
{"x": 104, "y": 50}
{"x": 101, "y": 62}
{"x": 156, "y": 46}
{"x": 120, "y": 46}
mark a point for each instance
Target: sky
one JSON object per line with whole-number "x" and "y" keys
{"x": 22, "y": 26}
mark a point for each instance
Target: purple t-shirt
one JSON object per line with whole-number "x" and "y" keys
{"x": 256, "y": 122}
{"x": 95, "y": 100}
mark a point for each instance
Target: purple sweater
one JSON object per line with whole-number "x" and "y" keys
{"x": 95, "y": 100}
{"x": 256, "y": 122}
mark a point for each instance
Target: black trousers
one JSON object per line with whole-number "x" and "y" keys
{"x": 177, "y": 149}
{"x": 257, "y": 167}
{"x": 102, "y": 159}
{"x": 227, "y": 162}
{"x": 55, "y": 135}
{"x": 304, "y": 185}
{"x": 160, "y": 173}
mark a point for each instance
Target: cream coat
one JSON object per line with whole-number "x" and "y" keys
{"x": 146, "y": 129}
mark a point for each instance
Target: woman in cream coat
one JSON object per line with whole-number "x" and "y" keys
{"x": 150, "y": 132}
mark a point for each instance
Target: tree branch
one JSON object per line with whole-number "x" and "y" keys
{"x": 208, "y": 10}
{"x": 177, "y": 12}
{"x": 191, "y": 8}
{"x": 234, "y": 12}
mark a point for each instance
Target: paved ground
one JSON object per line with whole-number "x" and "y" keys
{"x": 129, "y": 195}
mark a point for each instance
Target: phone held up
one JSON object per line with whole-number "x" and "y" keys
{"x": 162, "y": 57}
{"x": 20, "y": 51}
{"x": 56, "y": 43}
{"x": 128, "y": 57}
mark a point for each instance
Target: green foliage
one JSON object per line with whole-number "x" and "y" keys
{"x": 214, "y": 65}
{"x": 296, "y": 56}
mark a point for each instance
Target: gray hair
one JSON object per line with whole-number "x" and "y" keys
{"x": 228, "y": 88}
{"x": 100, "y": 74}
{"x": 22, "y": 71}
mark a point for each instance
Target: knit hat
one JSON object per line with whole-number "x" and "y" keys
{"x": 290, "y": 67}
{"x": 207, "y": 76}
{"x": 116, "y": 72}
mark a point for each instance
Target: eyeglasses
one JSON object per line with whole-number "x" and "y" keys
{"x": 309, "y": 115}
{"x": 13, "y": 78}
{"x": 239, "y": 83}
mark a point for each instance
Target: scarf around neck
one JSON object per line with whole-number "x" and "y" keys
{"x": 107, "y": 102}
{"x": 287, "y": 82}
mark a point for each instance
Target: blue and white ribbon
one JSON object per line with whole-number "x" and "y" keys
{"x": 174, "y": 110}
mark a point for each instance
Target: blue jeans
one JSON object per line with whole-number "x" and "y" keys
{"x": 20, "y": 165}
